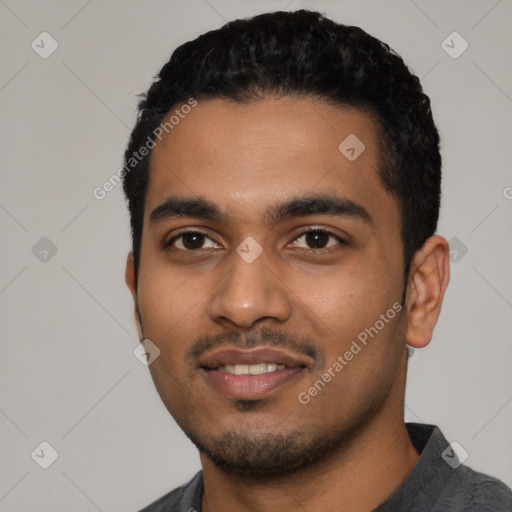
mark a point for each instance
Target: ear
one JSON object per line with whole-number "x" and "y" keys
{"x": 428, "y": 279}
{"x": 131, "y": 282}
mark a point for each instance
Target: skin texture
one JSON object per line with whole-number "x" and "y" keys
{"x": 347, "y": 449}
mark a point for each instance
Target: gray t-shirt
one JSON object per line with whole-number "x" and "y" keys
{"x": 434, "y": 485}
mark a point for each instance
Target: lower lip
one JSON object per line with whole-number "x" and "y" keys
{"x": 250, "y": 387}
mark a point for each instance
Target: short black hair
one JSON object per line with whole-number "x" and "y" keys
{"x": 303, "y": 54}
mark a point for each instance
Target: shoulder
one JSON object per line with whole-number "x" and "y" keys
{"x": 440, "y": 482}
{"x": 182, "y": 498}
{"x": 472, "y": 490}
{"x": 455, "y": 485}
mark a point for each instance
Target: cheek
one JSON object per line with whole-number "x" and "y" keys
{"x": 166, "y": 296}
{"x": 362, "y": 362}
{"x": 167, "y": 308}
{"x": 346, "y": 298}
{"x": 170, "y": 308}
{"x": 344, "y": 311}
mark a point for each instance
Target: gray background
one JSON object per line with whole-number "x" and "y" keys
{"x": 68, "y": 373}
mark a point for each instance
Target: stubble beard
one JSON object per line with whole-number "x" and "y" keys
{"x": 261, "y": 455}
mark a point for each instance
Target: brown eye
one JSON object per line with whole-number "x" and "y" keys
{"x": 317, "y": 239}
{"x": 191, "y": 241}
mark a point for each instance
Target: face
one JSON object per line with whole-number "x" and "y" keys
{"x": 270, "y": 279}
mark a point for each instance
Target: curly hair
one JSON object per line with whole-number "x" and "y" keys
{"x": 304, "y": 54}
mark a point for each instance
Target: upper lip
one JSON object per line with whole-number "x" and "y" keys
{"x": 232, "y": 356}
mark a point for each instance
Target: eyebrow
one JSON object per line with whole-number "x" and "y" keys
{"x": 294, "y": 207}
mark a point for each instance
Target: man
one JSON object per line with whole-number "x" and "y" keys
{"x": 283, "y": 181}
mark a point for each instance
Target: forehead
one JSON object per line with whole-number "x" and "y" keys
{"x": 244, "y": 156}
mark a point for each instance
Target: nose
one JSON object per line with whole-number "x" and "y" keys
{"x": 249, "y": 293}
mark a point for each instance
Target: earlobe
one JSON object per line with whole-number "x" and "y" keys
{"x": 428, "y": 279}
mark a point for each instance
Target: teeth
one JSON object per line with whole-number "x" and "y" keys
{"x": 257, "y": 369}
{"x": 252, "y": 369}
{"x": 241, "y": 369}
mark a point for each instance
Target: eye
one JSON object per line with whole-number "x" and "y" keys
{"x": 191, "y": 241}
{"x": 317, "y": 239}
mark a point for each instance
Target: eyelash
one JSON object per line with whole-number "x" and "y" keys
{"x": 169, "y": 244}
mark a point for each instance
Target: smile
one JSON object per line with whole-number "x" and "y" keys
{"x": 251, "y": 374}
{"x": 253, "y": 369}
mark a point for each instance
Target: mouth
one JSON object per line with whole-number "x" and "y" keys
{"x": 251, "y": 374}
{"x": 251, "y": 369}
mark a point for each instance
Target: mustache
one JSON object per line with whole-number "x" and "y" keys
{"x": 262, "y": 337}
